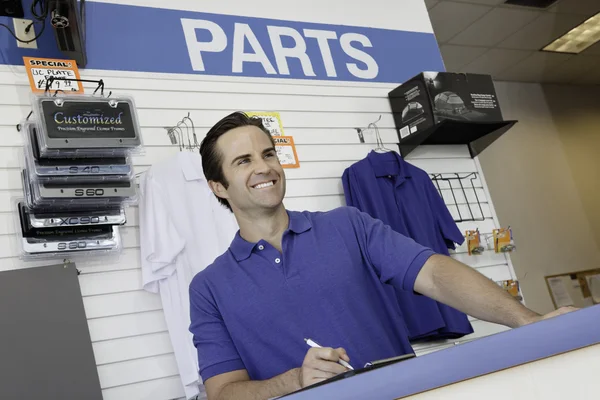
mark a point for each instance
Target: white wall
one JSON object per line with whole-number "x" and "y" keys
{"x": 127, "y": 326}
{"x": 531, "y": 181}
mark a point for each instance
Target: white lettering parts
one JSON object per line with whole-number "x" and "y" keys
{"x": 256, "y": 53}
{"x": 322, "y": 40}
{"x": 372, "y": 68}
{"x": 195, "y": 48}
{"x": 241, "y": 32}
{"x": 283, "y": 53}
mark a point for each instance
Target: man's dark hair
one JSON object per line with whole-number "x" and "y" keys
{"x": 212, "y": 159}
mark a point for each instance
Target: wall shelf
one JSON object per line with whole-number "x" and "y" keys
{"x": 477, "y": 135}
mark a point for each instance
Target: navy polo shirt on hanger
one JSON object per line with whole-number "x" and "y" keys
{"x": 334, "y": 283}
{"x": 403, "y": 197}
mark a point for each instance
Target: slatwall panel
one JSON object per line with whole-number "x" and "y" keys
{"x": 134, "y": 356}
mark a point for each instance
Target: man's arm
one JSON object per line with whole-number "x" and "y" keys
{"x": 237, "y": 385}
{"x": 457, "y": 285}
{"x": 318, "y": 365}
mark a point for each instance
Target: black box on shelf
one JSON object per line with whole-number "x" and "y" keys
{"x": 432, "y": 97}
{"x": 447, "y": 108}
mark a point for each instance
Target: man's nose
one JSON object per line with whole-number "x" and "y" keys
{"x": 261, "y": 167}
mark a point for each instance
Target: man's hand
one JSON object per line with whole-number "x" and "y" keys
{"x": 320, "y": 364}
{"x": 560, "y": 311}
{"x": 555, "y": 313}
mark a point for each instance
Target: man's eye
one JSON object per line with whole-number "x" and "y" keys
{"x": 269, "y": 155}
{"x": 243, "y": 161}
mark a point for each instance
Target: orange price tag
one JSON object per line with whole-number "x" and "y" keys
{"x": 503, "y": 240}
{"x": 40, "y": 69}
{"x": 511, "y": 286}
{"x": 286, "y": 151}
{"x": 473, "y": 243}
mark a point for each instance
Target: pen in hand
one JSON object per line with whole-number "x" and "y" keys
{"x": 312, "y": 343}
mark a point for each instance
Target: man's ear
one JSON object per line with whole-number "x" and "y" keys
{"x": 218, "y": 189}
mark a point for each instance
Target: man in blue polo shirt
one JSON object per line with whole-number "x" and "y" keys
{"x": 327, "y": 276}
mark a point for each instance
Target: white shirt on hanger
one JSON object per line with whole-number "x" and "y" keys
{"x": 183, "y": 228}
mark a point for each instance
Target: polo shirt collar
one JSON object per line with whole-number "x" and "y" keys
{"x": 242, "y": 249}
{"x": 389, "y": 164}
{"x": 299, "y": 223}
{"x": 191, "y": 165}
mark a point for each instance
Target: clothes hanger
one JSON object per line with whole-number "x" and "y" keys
{"x": 171, "y": 134}
{"x": 175, "y": 134}
{"x": 187, "y": 132}
{"x": 180, "y": 141}
{"x": 196, "y": 144}
{"x": 380, "y": 146}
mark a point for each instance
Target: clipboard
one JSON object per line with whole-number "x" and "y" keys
{"x": 373, "y": 365}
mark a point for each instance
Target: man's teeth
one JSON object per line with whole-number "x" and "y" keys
{"x": 263, "y": 185}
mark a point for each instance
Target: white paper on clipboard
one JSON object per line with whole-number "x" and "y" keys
{"x": 559, "y": 292}
{"x": 593, "y": 282}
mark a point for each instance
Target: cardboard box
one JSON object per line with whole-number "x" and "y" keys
{"x": 432, "y": 97}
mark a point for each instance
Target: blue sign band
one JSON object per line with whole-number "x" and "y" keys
{"x": 133, "y": 38}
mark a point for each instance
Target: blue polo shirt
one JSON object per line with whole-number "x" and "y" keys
{"x": 334, "y": 283}
{"x": 403, "y": 196}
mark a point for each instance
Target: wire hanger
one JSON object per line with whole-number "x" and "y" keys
{"x": 187, "y": 132}
{"x": 178, "y": 137}
{"x": 380, "y": 146}
{"x": 181, "y": 142}
{"x": 196, "y": 144}
{"x": 171, "y": 134}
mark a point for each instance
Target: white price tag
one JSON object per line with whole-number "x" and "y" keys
{"x": 41, "y": 77}
{"x": 286, "y": 152}
{"x": 271, "y": 121}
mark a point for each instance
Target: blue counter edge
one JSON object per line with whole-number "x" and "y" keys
{"x": 490, "y": 354}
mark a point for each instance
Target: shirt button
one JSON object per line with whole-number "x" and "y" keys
{"x": 277, "y": 261}
{"x": 261, "y": 247}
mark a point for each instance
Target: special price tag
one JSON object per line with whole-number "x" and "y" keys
{"x": 39, "y": 70}
{"x": 286, "y": 151}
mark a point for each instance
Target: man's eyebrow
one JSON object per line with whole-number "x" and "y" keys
{"x": 265, "y": 151}
{"x": 240, "y": 157}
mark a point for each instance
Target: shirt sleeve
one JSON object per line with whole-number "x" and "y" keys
{"x": 445, "y": 221}
{"x": 396, "y": 259}
{"x": 160, "y": 242}
{"x": 347, "y": 188}
{"x": 352, "y": 189}
{"x": 216, "y": 351}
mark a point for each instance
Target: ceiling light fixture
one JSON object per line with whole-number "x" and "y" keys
{"x": 577, "y": 39}
{"x": 531, "y": 3}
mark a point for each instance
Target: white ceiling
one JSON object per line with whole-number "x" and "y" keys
{"x": 490, "y": 37}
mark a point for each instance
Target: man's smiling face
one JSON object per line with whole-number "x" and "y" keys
{"x": 251, "y": 169}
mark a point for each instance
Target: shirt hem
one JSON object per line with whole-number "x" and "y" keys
{"x": 410, "y": 277}
{"x": 221, "y": 368}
